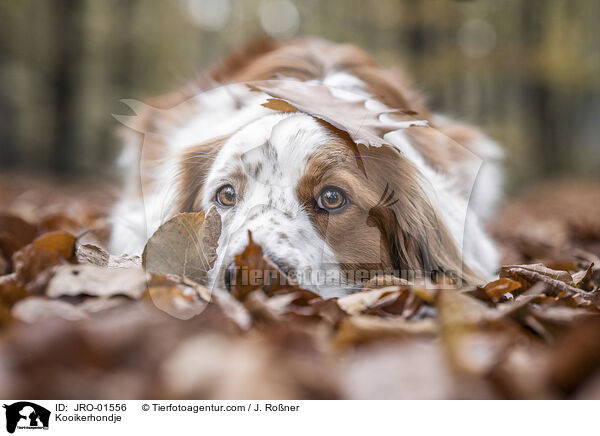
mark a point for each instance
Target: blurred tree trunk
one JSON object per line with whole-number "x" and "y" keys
{"x": 539, "y": 96}
{"x": 546, "y": 149}
{"x": 122, "y": 63}
{"x": 68, "y": 22}
{"x": 8, "y": 150}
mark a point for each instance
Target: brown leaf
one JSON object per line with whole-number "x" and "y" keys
{"x": 384, "y": 281}
{"x": 307, "y": 306}
{"x": 519, "y": 373}
{"x": 14, "y": 234}
{"x": 407, "y": 369}
{"x": 401, "y": 302}
{"x": 249, "y": 265}
{"x": 171, "y": 295}
{"x": 581, "y": 278}
{"x": 357, "y": 303}
{"x": 185, "y": 246}
{"x": 327, "y": 310}
{"x": 4, "y": 265}
{"x": 355, "y": 330}
{"x": 11, "y": 290}
{"x": 89, "y": 253}
{"x": 77, "y": 280}
{"x": 232, "y": 308}
{"x": 32, "y": 262}
{"x": 461, "y": 318}
{"x": 392, "y": 300}
{"x": 352, "y": 117}
{"x": 124, "y": 261}
{"x": 255, "y": 271}
{"x": 60, "y": 222}
{"x": 94, "y": 255}
{"x": 37, "y": 309}
{"x": 498, "y": 290}
{"x": 219, "y": 367}
{"x": 528, "y": 275}
{"x": 576, "y": 355}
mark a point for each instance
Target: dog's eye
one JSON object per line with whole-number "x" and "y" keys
{"x": 226, "y": 196}
{"x": 331, "y": 198}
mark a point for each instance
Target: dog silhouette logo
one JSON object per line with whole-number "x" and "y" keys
{"x": 26, "y": 415}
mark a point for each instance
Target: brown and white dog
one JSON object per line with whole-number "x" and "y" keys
{"x": 319, "y": 203}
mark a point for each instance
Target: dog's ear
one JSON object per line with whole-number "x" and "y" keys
{"x": 416, "y": 236}
{"x": 194, "y": 166}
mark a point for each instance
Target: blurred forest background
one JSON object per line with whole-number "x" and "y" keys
{"x": 528, "y": 71}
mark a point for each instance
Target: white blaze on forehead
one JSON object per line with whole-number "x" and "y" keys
{"x": 272, "y": 153}
{"x": 279, "y": 145}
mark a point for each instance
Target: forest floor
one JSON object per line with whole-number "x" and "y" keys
{"x": 78, "y": 323}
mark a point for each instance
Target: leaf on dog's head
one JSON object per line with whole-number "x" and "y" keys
{"x": 185, "y": 246}
{"x": 351, "y": 116}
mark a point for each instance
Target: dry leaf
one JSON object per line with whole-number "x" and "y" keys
{"x": 384, "y": 281}
{"x": 94, "y": 255}
{"x": 352, "y": 117}
{"x": 37, "y": 309}
{"x": 15, "y": 233}
{"x": 399, "y": 342}
{"x": 89, "y": 253}
{"x": 354, "y": 304}
{"x": 581, "y": 278}
{"x": 171, "y": 295}
{"x": 460, "y": 318}
{"x": 575, "y": 356}
{"x": 185, "y": 246}
{"x": 354, "y": 330}
{"x": 408, "y": 369}
{"x": 392, "y": 300}
{"x": 60, "y": 222}
{"x": 33, "y": 263}
{"x": 498, "y": 290}
{"x": 124, "y": 261}
{"x": 527, "y": 275}
{"x": 256, "y": 271}
{"x": 4, "y": 265}
{"x": 91, "y": 280}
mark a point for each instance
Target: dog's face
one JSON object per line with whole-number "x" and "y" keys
{"x": 326, "y": 210}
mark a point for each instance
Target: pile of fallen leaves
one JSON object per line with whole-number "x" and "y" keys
{"x": 76, "y": 322}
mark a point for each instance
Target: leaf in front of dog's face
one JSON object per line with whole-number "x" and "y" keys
{"x": 362, "y": 124}
{"x": 185, "y": 246}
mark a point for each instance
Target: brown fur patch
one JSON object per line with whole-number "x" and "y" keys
{"x": 387, "y": 212}
{"x": 195, "y": 164}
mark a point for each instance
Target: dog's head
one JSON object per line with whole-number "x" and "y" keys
{"x": 328, "y": 211}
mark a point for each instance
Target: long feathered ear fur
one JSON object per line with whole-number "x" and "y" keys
{"x": 417, "y": 238}
{"x": 194, "y": 167}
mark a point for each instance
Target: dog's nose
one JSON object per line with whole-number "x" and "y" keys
{"x": 228, "y": 277}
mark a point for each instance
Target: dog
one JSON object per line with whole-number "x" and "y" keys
{"x": 295, "y": 144}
